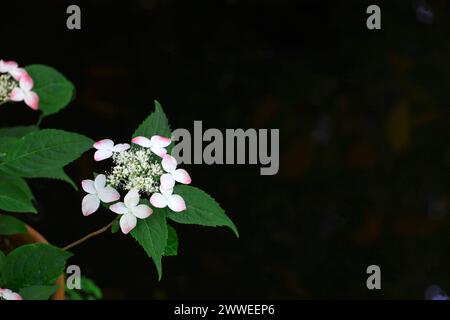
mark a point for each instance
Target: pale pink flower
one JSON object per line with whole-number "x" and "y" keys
{"x": 106, "y": 147}
{"x": 173, "y": 174}
{"x": 166, "y": 199}
{"x": 130, "y": 210}
{"x": 24, "y": 93}
{"x": 6, "y": 294}
{"x": 157, "y": 144}
{"x": 97, "y": 191}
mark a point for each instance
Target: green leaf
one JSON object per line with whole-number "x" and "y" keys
{"x": 38, "y": 152}
{"x": 33, "y": 264}
{"x": 151, "y": 233}
{"x": 155, "y": 124}
{"x": 2, "y": 261}
{"x": 90, "y": 288}
{"x": 54, "y": 90}
{"x": 17, "y": 132}
{"x": 89, "y": 291}
{"x": 57, "y": 174}
{"x": 6, "y": 144}
{"x": 115, "y": 226}
{"x": 201, "y": 209}
{"x": 38, "y": 292}
{"x": 10, "y": 225}
{"x": 15, "y": 195}
{"x": 172, "y": 242}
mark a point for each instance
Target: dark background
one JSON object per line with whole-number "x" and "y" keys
{"x": 363, "y": 118}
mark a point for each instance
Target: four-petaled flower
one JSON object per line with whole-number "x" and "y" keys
{"x": 173, "y": 174}
{"x": 6, "y": 294}
{"x": 97, "y": 190}
{"x": 24, "y": 93}
{"x": 106, "y": 147}
{"x": 157, "y": 144}
{"x": 130, "y": 209}
{"x": 166, "y": 199}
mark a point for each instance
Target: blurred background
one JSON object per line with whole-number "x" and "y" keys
{"x": 364, "y": 127}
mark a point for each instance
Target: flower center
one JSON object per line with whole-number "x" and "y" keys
{"x": 7, "y": 84}
{"x": 136, "y": 168}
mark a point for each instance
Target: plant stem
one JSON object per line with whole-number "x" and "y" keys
{"x": 90, "y": 235}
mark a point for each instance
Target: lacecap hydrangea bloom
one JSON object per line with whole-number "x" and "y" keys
{"x": 143, "y": 171}
{"x": 16, "y": 85}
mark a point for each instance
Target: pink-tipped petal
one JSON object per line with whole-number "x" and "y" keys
{"x": 158, "y": 200}
{"x": 108, "y": 194}
{"x": 105, "y": 144}
{"x": 18, "y": 74}
{"x": 3, "y": 69}
{"x": 167, "y": 181}
{"x": 127, "y": 223}
{"x": 169, "y": 163}
{"x": 132, "y": 198}
{"x": 142, "y": 141}
{"x": 176, "y": 203}
{"x": 159, "y": 141}
{"x": 7, "y": 294}
{"x": 121, "y": 147}
{"x": 100, "y": 182}
{"x": 90, "y": 204}
{"x": 159, "y": 151}
{"x": 100, "y": 155}
{"x": 88, "y": 186}
{"x": 142, "y": 211}
{"x": 32, "y": 100}
{"x": 26, "y": 83}
{"x": 119, "y": 208}
{"x": 17, "y": 94}
{"x": 11, "y": 64}
{"x": 181, "y": 176}
{"x": 15, "y": 296}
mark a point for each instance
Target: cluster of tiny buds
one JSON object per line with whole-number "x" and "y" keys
{"x": 7, "y": 85}
{"x": 136, "y": 168}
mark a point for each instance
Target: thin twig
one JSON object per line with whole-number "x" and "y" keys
{"x": 90, "y": 235}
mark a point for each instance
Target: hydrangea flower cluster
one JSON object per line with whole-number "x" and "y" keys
{"x": 16, "y": 85}
{"x": 144, "y": 169}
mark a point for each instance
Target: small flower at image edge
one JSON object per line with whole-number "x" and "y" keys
{"x": 6, "y": 294}
{"x": 97, "y": 191}
{"x": 166, "y": 199}
{"x": 157, "y": 144}
{"x": 130, "y": 209}
{"x": 173, "y": 174}
{"x": 106, "y": 147}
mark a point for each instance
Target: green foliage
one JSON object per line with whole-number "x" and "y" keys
{"x": 38, "y": 292}
{"x": 172, "y": 242}
{"x": 32, "y": 265}
{"x": 10, "y": 225}
{"x": 202, "y": 209}
{"x": 54, "y": 90}
{"x": 155, "y": 124}
{"x": 151, "y": 233}
{"x": 2, "y": 263}
{"x": 89, "y": 291}
{"x": 17, "y": 132}
{"x": 15, "y": 195}
{"x": 39, "y": 152}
